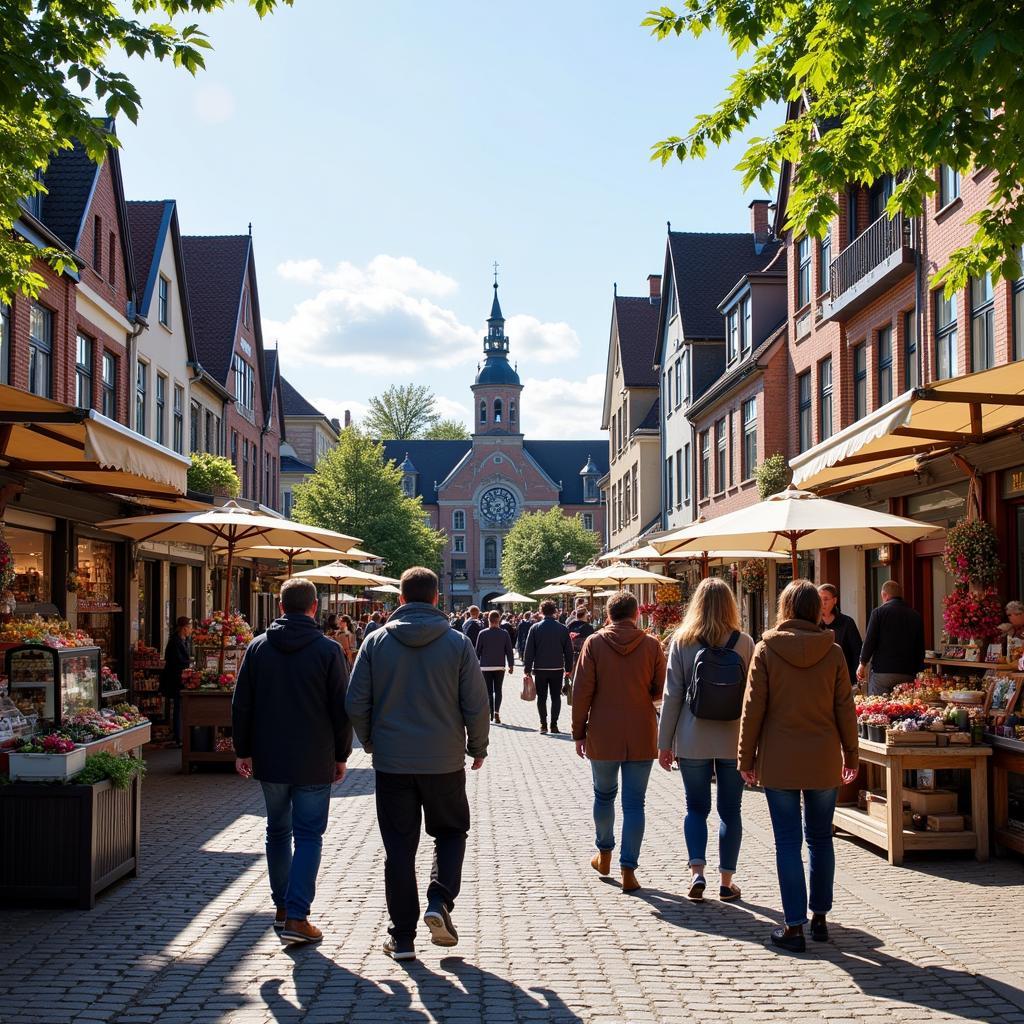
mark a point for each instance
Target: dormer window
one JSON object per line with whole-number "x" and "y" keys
{"x": 497, "y": 410}
{"x": 409, "y": 486}
{"x": 732, "y": 336}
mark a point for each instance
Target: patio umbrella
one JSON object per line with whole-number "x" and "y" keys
{"x": 512, "y": 598}
{"x": 618, "y": 575}
{"x": 554, "y": 589}
{"x": 798, "y": 520}
{"x": 337, "y": 574}
{"x": 231, "y": 527}
{"x": 291, "y": 553}
{"x": 387, "y": 588}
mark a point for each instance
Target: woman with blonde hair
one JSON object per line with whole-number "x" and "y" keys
{"x": 798, "y": 738}
{"x": 707, "y": 668}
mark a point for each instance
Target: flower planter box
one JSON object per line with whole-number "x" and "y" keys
{"x": 66, "y": 843}
{"x": 862, "y": 730}
{"x": 876, "y": 733}
{"x": 46, "y": 767}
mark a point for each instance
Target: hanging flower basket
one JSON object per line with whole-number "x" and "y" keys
{"x": 753, "y": 575}
{"x": 971, "y": 615}
{"x": 971, "y": 554}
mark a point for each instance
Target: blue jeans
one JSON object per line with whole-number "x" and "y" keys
{"x": 635, "y": 775}
{"x": 300, "y": 811}
{"x": 697, "y": 783}
{"x": 819, "y": 807}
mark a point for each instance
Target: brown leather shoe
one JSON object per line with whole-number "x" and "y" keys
{"x": 602, "y": 862}
{"x": 629, "y": 882}
{"x": 300, "y": 932}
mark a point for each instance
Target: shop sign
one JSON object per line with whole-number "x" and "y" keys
{"x": 1013, "y": 483}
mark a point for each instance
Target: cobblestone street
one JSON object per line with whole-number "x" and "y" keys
{"x": 543, "y": 937}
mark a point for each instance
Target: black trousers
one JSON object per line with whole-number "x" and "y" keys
{"x": 494, "y": 681}
{"x": 402, "y": 802}
{"x": 549, "y": 682}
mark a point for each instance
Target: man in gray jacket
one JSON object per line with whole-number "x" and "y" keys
{"x": 418, "y": 704}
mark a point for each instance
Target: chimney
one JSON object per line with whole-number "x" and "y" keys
{"x": 336, "y": 425}
{"x": 759, "y": 222}
{"x": 348, "y": 419}
{"x": 654, "y": 283}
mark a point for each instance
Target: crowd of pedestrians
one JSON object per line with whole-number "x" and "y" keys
{"x": 420, "y": 689}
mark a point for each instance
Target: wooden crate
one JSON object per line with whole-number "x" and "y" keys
{"x": 906, "y": 739}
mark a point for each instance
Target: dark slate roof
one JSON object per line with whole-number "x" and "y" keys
{"x": 289, "y": 464}
{"x": 637, "y": 320}
{"x": 708, "y": 366}
{"x": 147, "y": 224}
{"x": 270, "y": 363}
{"x": 497, "y": 370}
{"x": 561, "y": 460}
{"x": 215, "y": 267}
{"x": 69, "y": 179}
{"x": 434, "y": 460}
{"x": 652, "y": 421}
{"x": 706, "y": 267}
{"x": 295, "y": 404}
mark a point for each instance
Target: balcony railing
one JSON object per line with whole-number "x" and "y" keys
{"x": 872, "y": 262}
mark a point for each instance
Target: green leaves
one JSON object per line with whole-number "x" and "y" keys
{"x": 534, "y": 549}
{"x": 872, "y": 87}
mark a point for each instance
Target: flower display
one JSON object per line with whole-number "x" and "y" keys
{"x": 969, "y": 615}
{"x": 6, "y": 564}
{"x": 663, "y": 616}
{"x": 109, "y": 679}
{"x": 48, "y": 632}
{"x": 229, "y": 628}
{"x": 753, "y": 575}
{"x": 52, "y": 743}
{"x": 208, "y": 679}
{"x": 878, "y": 719}
{"x": 971, "y": 553}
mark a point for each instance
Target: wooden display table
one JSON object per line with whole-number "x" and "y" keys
{"x": 210, "y": 708}
{"x": 889, "y": 834}
{"x": 1007, "y": 757}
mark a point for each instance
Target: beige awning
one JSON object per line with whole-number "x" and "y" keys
{"x": 81, "y": 448}
{"x": 920, "y": 424}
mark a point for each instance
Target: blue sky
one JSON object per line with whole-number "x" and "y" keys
{"x": 386, "y": 155}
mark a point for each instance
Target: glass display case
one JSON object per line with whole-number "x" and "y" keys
{"x": 53, "y": 683}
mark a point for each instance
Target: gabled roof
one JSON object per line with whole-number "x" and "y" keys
{"x": 561, "y": 460}
{"x": 216, "y": 266}
{"x": 148, "y": 221}
{"x": 703, "y": 267}
{"x": 652, "y": 421}
{"x": 434, "y": 461}
{"x": 637, "y": 320}
{"x": 69, "y": 179}
{"x": 296, "y": 404}
{"x": 272, "y": 378}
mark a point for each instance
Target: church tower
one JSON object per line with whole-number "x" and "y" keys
{"x": 496, "y": 389}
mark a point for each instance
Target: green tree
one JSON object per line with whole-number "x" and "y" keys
{"x": 55, "y": 74}
{"x": 773, "y": 475}
{"x": 537, "y": 544}
{"x": 873, "y": 87}
{"x": 447, "y": 430}
{"x": 356, "y": 491}
{"x": 402, "y": 413}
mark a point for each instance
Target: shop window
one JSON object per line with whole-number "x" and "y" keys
{"x": 33, "y": 564}
{"x": 99, "y": 599}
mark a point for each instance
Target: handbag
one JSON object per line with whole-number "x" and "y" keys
{"x": 529, "y": 688}
{"x": 567, "y": 690}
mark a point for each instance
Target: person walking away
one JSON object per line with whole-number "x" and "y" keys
{"x": 509, "y": 627}
{"x": 291, "y": 732}
{"x": 494, "y": 651}
{"x": 372, "y": 625}
{"x": 331, "y": 624}
{"x": 843, "y": 626}
{"x": 177, "y": 658}
{"x": 620, "y": 676}
{"x": 700, "y": 727}
{"x": 418, "y": 704}
{"x": 893, "y": 647}
{"x": 345, "y": 639}
{"x": 798, "y": 739}
{"x": 522, "y": 631}
{"x": 473, "y": 625}
{"x": 548, "y": 660}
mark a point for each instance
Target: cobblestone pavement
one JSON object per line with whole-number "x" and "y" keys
{"x": 543, "y": 937}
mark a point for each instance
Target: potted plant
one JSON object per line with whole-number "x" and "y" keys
{"x": 877, "y": 724}
{"x": 213, "y": 474}
{"x": 51, "y": 758}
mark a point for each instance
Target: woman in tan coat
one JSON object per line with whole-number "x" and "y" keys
{"x": 798, "y": 735}
{"x": 619, "y": 677}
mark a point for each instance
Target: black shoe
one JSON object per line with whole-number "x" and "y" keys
{"x": 544, "y": 729}
{"x": 439, "y": 921}
{"x": 697, "y": 886}
{"x": 399, "y": 949}
{"x": 790, "y": 943}
{"x": 555, "y": 731}
{"x": 819, "y": 928}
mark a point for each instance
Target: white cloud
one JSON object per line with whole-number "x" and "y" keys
{"x": 535, "y": 341}
{"x": 448, "y": 409}
{"x": 214, "y": 103}
{"x": 554, "y": 407}
{"x": 335, "y": 408}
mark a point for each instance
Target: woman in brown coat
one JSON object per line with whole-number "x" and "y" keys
{"x": 619, "y": 677}
{"x": 798, "y": 735}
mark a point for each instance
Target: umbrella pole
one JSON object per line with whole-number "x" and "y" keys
{"x": 793, "y": 555}
{"x": 227, "y": 597}
{"x": 291, "y": 558}
{"x": 705, "y": 565}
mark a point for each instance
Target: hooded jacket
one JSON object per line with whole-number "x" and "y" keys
{"x": 417, "y": 698}
{"x": 799, "y": 726}
{"x": 619, "y": 676}
{"x": 288, "y": 709}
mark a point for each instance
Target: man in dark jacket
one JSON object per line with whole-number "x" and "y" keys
{"x": 893, "y": 644}
{"x": 494, "y": 651}
{"x": 291, "y": 732}
{"x": 522, "y": 631}
{"x": 548, "y": 659}
{"x": 418, "y": 705}
{"x": 473, "y": 625}
{"x": 177, "y": 658}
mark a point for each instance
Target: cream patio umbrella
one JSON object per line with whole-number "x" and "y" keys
{"x": 596, "y": 577}
{"x": 556, "y": 589}
{"x": 386, "y": 588}
{"x": 797, "y": 520}
{"x": 291, "y": 553}
{"x": 648, "y": 553}
{"x": 512, "y": 598}
{"x": 337, "y": 574}
{"x": 231, "y": 527}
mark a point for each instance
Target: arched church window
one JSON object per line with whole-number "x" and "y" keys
{"x": 491, "y": 553}
{"x": 483, "y": 412}
{"x": 511, "y": 412}
{"x": 497, "y": 410}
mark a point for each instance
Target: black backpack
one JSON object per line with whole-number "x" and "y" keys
{"x": 718, "y": 682}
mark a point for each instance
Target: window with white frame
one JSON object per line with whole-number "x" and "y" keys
{"x": 459, "y": 544}
{"x": 245, "y": 384}
{"x": 679, "y": 381}
{"x": 949, "y": 184}
{"x": 161, "y": 409}
{"x": 686, "y": 474}
{"x": 749, "y": 454}
{"x": 732, "y": 335}
{"x": 178, "y": 413}
{"x": 825, "y": 398}
{"x": 945, "y": 336}
{"x": 588, "y": 520}
{"x": 459, "y": 519}
{"x": 825, "y": 263}
{"x": 746, "y": 327}
{"x": 803, "y": 272}
{"x": 164, "y": 301}
{"x": 108, "y": 382}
